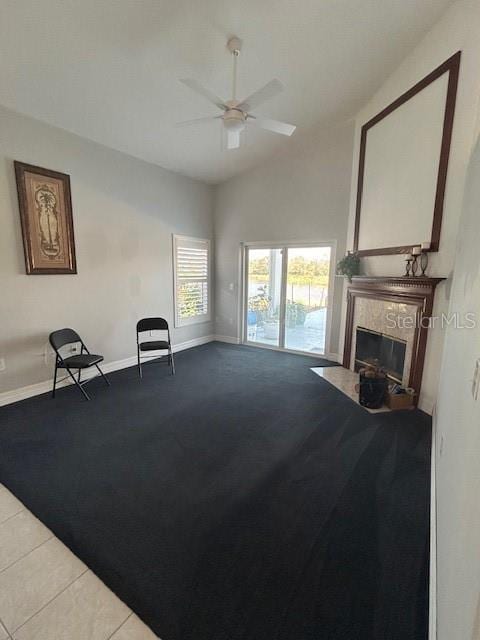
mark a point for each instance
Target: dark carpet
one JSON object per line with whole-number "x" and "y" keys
{"x": 243, "y": 499}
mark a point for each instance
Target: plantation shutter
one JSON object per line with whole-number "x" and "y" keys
{"x": 192, "y": 280}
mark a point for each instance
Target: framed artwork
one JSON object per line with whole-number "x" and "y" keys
{"x": 47, "y": 224}
{"x": 403, "y": 163}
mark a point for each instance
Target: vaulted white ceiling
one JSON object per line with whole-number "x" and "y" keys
{"x": 108, "y": 70}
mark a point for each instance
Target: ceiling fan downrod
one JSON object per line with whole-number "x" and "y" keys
{"x": 234, "y": 45}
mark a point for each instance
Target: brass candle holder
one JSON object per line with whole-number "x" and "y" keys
{"x": 417, "y": 258}
{"x": 414, "y": 266}
{"x": 424, "y": 257}
{"x": 408, "y": 266}
{"x": 416, "y": 252}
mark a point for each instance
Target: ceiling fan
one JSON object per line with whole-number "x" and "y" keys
{"x": 237, "y": 113}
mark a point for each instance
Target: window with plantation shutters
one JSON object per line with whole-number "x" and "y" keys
{"x": 191, "y": 264}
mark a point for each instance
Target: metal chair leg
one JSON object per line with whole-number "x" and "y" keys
{"x": 103, "y": 375}
{"x": 139, "y": 363}
{"x": 172, "y": 363}
{"x": 77, "y": 384}
{"x": 54, "y": 381}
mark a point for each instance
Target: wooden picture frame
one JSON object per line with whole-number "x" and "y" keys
{"x": 45, "y": 204}
{"x": 452, "y": 67}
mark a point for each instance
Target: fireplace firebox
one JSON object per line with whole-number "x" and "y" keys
{"x": 386, "y": 351}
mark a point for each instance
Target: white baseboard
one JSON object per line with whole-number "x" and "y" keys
{"x": 227, "y": 339}
{"x": 15, "y": 395}
{"x": 195, "y": 342}
{"x": 8, "y": 397}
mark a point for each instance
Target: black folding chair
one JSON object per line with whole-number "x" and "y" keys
{"x": 83, "y": 360}
{"x": 153, "y": 324}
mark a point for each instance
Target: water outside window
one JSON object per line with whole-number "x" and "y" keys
{"x": 287, "y": 304}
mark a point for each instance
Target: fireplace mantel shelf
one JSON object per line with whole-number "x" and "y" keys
{"x": 396, "y": 281}
{"x": 418, "y": 291}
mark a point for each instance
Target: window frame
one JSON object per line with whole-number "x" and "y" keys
{"x": 199, "y": 319}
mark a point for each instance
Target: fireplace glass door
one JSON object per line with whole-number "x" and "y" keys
{"x": 386, "y": 351}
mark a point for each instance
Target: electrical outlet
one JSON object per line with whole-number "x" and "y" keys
{"x": 442, "y": 445}
{"x": 3, "y": 366}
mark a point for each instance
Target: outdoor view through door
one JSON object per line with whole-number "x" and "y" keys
{"x": 287, "y": 297}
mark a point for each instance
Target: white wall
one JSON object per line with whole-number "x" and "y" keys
{"x": 300, "y": 196}
{"x": 457, "y": 30}
{"x": 458, "y": 440}
{"x": 124, "y": 211}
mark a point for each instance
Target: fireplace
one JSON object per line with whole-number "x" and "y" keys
{"x": 373, "y": 347}
{"x": 372, "y": 304}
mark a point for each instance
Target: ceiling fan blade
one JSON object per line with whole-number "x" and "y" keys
{"x": 186, "y": 123}
{"x": 271, "y": 89}
{"x": 275, "y": 126}
{"x": 203, "y": 91}
{"x": 233, "y": 139}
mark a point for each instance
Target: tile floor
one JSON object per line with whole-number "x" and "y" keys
{"x": 47, "y": 593}
{"x": 345, "y": 380}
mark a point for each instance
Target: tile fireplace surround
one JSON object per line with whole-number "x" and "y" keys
{"x": 396, "y": 306}
{"x": 377, "y": 315}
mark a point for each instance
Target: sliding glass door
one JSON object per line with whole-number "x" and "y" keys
{"x": 264, "y": 293}
{"x": 286, "y": 296}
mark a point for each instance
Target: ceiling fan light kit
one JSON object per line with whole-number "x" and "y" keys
{"x": 234, "y": 119}
{"x": 236, "y": 114}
